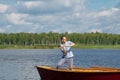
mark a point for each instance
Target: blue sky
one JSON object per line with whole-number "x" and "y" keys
{"x": 99, "y": 4}
{"x": 36, "y": 16}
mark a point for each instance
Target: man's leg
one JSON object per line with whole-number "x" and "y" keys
{"x": 62, "y": 61}
{"x": 70, "y": 63}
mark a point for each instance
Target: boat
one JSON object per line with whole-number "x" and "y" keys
{"x": 78, "y": 73}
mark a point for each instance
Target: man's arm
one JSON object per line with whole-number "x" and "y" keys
{"x": 71, "y": 44}
{"x": 63, "y": 50}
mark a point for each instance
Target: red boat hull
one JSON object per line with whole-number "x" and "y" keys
{"x": 47, "y": 74}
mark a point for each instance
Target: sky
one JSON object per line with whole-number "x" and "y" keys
{"x": 80, "y": 16}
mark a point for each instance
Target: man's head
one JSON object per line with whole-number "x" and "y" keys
{"x": 63, "y": 39}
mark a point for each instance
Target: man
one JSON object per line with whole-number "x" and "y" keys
{"x": 67, "y": 56}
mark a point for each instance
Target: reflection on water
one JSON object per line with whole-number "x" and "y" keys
{"x": 19, "y": 64}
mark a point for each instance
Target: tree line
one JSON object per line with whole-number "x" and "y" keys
{"x": 54, "y": 38}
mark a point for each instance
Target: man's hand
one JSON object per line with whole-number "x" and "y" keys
{"x": 63, "y": 50}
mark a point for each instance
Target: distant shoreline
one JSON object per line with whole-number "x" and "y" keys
{"x": 54, "y": 46}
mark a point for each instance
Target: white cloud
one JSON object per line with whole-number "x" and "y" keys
{"x": 95, "y": 30}
{"x": 30, "y": 4}
{"x": 2, "y": 30}
{"x": 3, "y": 8}
{"x": 108, "y": 12}
{"x": 67, "y": 3}
{"x": 17, "y": 19}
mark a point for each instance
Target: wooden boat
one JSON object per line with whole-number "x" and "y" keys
{"x": 92, "y": 73}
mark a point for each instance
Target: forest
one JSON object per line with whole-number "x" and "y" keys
{"x": 52, "y": 39}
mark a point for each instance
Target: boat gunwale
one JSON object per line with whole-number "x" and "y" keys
{"x": 83, "y": 70}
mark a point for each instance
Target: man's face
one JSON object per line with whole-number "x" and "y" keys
{"x": 63, "y": 40}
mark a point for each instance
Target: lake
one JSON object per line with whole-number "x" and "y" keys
{"x": 19, "y": 64}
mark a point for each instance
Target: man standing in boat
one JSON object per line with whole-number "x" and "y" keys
{"x": 67, "y": 56}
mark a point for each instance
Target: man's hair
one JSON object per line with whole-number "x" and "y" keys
{"x": 62, "y": 37}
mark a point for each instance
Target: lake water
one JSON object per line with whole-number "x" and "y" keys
{"x": 19, "y": 64}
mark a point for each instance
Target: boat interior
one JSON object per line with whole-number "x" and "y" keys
{"x": 80, "y": 69}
